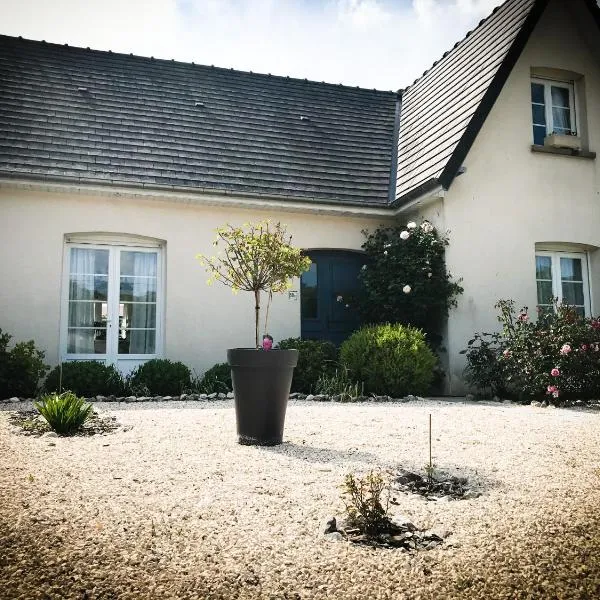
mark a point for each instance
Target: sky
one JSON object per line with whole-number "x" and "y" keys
{"x": 383, "y": 44}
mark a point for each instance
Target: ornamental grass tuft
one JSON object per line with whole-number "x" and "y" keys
{"x": 65, "y": 413}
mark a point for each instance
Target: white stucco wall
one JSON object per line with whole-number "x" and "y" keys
{"x": 511, "y": 198}
{"x": 200, "y": 321}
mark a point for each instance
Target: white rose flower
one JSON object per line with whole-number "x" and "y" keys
{"x": 363, "y": 268}
{"x": 429, "y": 274}
{"x": 427, "y": 227}
{"x": 340, "y": 299}
{"x": 404, "y": 235}
{"x": 407, "y": 289}
{"x": 385, "y": 253}
{"x": 411, "y": 225}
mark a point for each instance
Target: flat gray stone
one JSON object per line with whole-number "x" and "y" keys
{"x": 336, "y": 536}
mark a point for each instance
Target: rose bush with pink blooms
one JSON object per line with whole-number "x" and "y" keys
{"x": 554, "y": 357}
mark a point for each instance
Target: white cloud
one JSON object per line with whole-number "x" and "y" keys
{"x": 372, "y": 43}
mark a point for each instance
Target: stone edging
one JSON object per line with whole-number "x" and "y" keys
{"x": 229, "y": 395}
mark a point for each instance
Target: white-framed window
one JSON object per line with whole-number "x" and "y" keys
{"x": 552, "y": 108}
{"x": 112, "y": 302}
{"x": 562, "y": 275}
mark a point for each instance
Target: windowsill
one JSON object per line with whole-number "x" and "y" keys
{"x": 563, "y": 151}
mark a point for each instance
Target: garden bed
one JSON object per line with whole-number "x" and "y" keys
{"x": 171, "y": 506}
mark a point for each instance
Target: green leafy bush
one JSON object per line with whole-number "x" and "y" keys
{"x": 316, "y": 358}
{"x": 557, "y": 356}
{"x": 216, "y": 379}
{"x": 389, "y": 359}
{"x": 21, "y": 368}
{"x": 485, "y": 371}
{"x": 405, "y": 278}
{"x": 160, "y": 377}
{"x": 65, "y": 413}
{"x": 86, "y": 378}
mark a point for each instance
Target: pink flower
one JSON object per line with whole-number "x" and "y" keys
{"x": 555, "y": 394}
{"x": 506, "y": 353}
{"x": 595, "y": 323}
{"x": 555, "y": 372}
{"x": 565, "y": 349}
{"x": 523, "y": 317}
{"x": 584, "y": 347}
{"x": 552, "y": 389}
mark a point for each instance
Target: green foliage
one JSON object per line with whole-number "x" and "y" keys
{"x": 256, "y": 258}
{"x": 216, "y": 379}
{"x": 405, "y": 280}
{"x": 389, "y": 359}
{"x": 316, "y": 359}
{"x": 21, "y": 368}
{"x": 86, "y": 378}
{"x": 160, "y": 377}
{"x": 339, "y": 384}
{"x": 65, "y": 413}
{"x": 485, "y": 371}
{"x": 367, "y": 502}
{"x": 556, "y": 357}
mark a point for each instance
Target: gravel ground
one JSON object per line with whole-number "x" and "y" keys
{"x": 173, "y": 507}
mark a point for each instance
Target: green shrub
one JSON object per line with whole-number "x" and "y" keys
{"x": 316, "y": 358}
{"x": 86, "y": 378}
{"x": 485, "y": 371}
{"x": 216, "y": 379}
{"x": 339, "y": 384}
{"x": 405, "y": 279}
{"x": 160, "y": 377}
{"x": 367, "y": 502}
{"x": 65, "y": 413}
{"x": 389, "y": 359}
{"x": 556, "y": 356}
{"x": 21, "y": 368}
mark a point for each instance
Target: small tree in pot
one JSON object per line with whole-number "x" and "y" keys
{"x": 258, "y": 258}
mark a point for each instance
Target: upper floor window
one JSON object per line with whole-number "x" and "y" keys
{"x": 552, "y": 108}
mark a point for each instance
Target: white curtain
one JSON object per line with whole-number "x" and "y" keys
{"x": 81, "y": 314}
{"x": 143, "y": 315}
{"x": 561, "y": 113}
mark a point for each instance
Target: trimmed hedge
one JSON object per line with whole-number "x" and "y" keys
{"x": 86, "y": 378}
{"x": 160, "y": 377}
{"x": 389, "y": 359}
{"x": 216, "y": 379}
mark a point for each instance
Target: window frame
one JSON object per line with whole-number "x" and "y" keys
{"x": 112, "y": 355}
{"x": 557, "y": 280}
{"x": 548, "y": 84}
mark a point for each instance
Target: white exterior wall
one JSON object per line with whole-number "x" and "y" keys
{"x": 201, "y": 322}
{"x": 511, "y": 198}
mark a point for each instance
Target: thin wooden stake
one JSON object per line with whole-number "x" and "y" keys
{"x": 430, "y": 463}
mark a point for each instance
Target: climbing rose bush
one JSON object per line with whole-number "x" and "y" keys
{"x": 405, "y": 279}
{"x": 554, "y": 357}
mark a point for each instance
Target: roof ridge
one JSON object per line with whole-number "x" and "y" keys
{"x": 457, "y": 44}
{"x": 181, "y": 62}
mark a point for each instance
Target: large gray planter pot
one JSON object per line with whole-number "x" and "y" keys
{"x": 261, "y": 387}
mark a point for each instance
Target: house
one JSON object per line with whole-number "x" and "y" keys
{"x": 116, "y": 169}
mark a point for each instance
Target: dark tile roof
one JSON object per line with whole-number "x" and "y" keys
{"x": 83, "y": 115}
{"x": 439, "y": 107}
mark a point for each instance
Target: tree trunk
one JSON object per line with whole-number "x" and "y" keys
{"x": 256, "y": 315}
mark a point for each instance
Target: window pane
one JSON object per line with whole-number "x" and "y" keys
{"x": 86, "y": 341}
{"x": 543, "y": 267}
{"x": 561, "y": 120}
{"x": 539, "y": 133}
{"x": 137, "y": 341}
{"x": 544, "y": 292}
{"x": 88, "y": 287}
{"x": 539, "y": 114}
{"x": 87, "y": 314}
{"x": 139, "y": 264}
{"x": 570, "y": 269}
{"x": 89, "y": 262}
{"x": 560, "y": 96}
{"x": 308, "y": 293}
{"x": 138, "y": 289}
{"x": 537, "y": 93}
{"x": 572, "y": 293}
{"x": 137, "y": 316}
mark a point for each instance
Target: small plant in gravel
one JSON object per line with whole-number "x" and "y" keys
{"x": 367, "y": 502}
{"x": 339, "y": 384}
{"x": 65, "y": 413}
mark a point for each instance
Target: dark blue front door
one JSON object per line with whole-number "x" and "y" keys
{"x": 326, "y": 292}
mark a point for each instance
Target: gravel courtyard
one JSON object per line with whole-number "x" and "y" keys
{"x": 172, "y": 507}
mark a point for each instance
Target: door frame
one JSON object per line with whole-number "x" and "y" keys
{"x": 113, "y": 245}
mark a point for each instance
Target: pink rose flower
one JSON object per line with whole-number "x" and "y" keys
{"x": 555, "y": 372}
{"x": 552, "y": 389}
{"x": 555, "y": 394}
{"x": 584, "y": 347}
{"x": 506, "y": 353}
{"x": 523, "y": 317}
{"x": 565, "y": 349}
